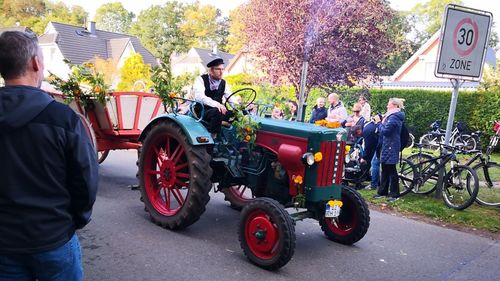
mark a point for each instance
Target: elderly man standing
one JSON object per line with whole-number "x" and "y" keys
{"x": 48, "y": 171}
{"x": 337, "y": 111}
{"x": 209, "y": 89}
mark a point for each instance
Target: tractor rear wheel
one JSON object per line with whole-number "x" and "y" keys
{"x": 174, "y": 176}
{"x": 352, "y": 223}
{"x": 266, "y": 233}
{"x": 238, "y": 195}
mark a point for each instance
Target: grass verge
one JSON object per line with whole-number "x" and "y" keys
{"x": 472, "y": 218}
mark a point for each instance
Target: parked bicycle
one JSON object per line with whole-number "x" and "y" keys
{"x": 458, "y": 137}
{"x": 488, "y": 172}
{"x": 460, "y": 182}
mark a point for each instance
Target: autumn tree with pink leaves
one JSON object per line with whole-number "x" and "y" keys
{"x": 343, "y": 40}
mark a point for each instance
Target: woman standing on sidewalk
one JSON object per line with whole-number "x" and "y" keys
{"x": 389, "y": 139}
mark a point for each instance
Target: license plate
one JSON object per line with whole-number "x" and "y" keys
{"x": 332, "y": 209}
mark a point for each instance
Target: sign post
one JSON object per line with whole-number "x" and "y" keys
{"x": 462, "y": 49}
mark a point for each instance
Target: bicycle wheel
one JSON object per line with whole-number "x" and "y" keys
{"x": 411, "y": 141}
{"x": 430, "y": 141}
{"x": 489, "y": 184}
{"x": 422, "y": 168}
{"x": 465, "y": 142}
{"x": 460, "y": 187}
{"x": 407, "y": 172}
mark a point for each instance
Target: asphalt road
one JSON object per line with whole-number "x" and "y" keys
{"x": 121, "y": 243}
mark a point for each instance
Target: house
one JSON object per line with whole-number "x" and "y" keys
{"x": 79, "y": 45}
{"x": 418, "y": 70}
{"x": 243, "y": 62}
{"x": 195, "y": 60}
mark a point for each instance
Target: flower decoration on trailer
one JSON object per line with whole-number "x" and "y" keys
{"x": 84, "y": 84}
{"x": 164, "y": 85}
{"x": 299, "y": 199}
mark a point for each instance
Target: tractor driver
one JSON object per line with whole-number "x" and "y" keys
{"x": 210, "y": 89}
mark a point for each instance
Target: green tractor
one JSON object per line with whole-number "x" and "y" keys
{"x": 291, "y": 171}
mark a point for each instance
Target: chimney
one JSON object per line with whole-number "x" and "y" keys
{"x": 91, "y": 27}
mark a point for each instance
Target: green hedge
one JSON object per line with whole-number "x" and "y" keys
{"x": 477, "y": 109}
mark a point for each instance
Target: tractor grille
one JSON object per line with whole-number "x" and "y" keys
{"x": 331, "y": 168}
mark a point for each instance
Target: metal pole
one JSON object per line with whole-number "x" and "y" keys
{"x": 303, "y": 78}
{"x": 449, "y": 127}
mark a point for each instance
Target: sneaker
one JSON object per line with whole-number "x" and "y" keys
{"x": 392, "y": 199}
{"x": 378, "y": 196}
{"x": 371, "y": 187}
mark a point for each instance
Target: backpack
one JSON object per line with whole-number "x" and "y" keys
{"x": 404, "y": 136}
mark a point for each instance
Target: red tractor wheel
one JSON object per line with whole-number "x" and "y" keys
{"x": 238, "y": 195}
{"x": 352, "y": 223}
{"x": 174, "y": 176}
{"x": 266, "y": 233}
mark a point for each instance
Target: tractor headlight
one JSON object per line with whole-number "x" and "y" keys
{"x": 308, "y": 158}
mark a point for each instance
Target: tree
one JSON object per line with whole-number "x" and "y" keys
{"x": 134, "y": 72}
{"x": 343, "y": 40}
{"x": 427, "y": 18}
{"x": 202, "y": 26}
{"x": 109, "y": 69}
{"x": 22, "y": 9}
{"x": 236, "y": 38}
{"x": 113, "y": 17}
{"x": 158, "y": 29}
{"x": 404, "y": 48}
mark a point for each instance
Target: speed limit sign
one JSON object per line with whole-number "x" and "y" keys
{"x": 464, "y": 39}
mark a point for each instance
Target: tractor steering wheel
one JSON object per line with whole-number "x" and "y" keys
{"x": 248, "y": 95}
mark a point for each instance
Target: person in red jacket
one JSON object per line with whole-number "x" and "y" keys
{"x": 48, "y": 169}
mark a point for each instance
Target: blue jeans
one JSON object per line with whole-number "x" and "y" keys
{"x": 375, "y": 172}
{"x": 61, "y": 264}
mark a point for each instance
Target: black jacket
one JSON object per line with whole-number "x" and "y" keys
{"x": 318, "y": 114}
{"x": 48, "y": 172}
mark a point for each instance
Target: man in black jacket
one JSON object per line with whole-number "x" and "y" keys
{"x": 210, "y": 89}
{"x": 48, "y": 169}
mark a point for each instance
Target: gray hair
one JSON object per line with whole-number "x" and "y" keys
{"x": 16, "y": 50}
{"x": 399, "y": 103}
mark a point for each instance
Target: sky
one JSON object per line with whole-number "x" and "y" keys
{"x": 227, "y": 5}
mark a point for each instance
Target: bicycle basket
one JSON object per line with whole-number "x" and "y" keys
{"x": 461, "y": 126}
{"x": 436, "y": 125}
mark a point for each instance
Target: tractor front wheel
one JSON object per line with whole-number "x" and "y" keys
{"x": 266, "y": 233}
{"x": 174, "y": 176}
{"x": 352, "y": 223}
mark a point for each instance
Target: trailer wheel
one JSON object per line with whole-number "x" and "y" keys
{"x": 266, "y": 233}
{"x": 174, "y": 176}
{"x": 238, "y": 195}
{"x": 352, "y": 223}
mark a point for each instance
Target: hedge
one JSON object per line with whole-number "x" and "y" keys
{"x": 478, "y": 109}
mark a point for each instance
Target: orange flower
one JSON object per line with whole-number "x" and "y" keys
{"x": 172, "y": 95}
{"x": 248, "y": 129}
{"x": 298, "y": 179}
{"x": 333, "y": 125}
{"x": 248, "y": 138}
{"x": 97, "y": 89}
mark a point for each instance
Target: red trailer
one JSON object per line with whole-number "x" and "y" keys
{"x": 118, "y": 123}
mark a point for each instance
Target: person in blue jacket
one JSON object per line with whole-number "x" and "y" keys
{"x": 48, "y": 169}
{"x": 319, "y": 111}
{"x": 390, "y": 144}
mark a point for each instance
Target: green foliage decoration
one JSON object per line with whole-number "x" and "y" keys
{"x": 84, "y": 83}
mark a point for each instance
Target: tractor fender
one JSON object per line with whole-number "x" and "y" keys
{"x": 190, "y": 126}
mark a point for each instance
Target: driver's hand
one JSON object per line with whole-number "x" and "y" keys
{"x": 222, "y": 108}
